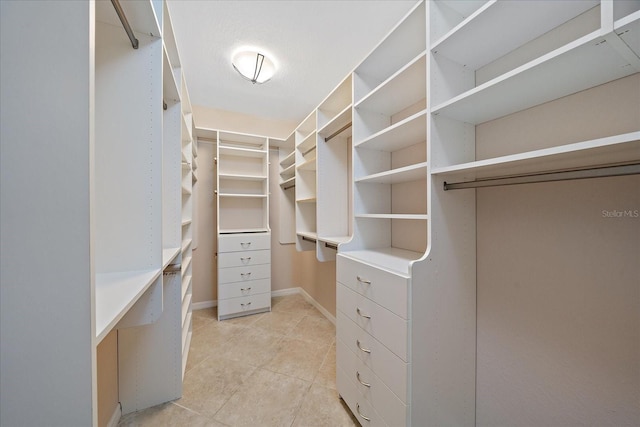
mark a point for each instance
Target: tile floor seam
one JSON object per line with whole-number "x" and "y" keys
{"x": 213, "y": 417}
{"x": 297, "y": 411}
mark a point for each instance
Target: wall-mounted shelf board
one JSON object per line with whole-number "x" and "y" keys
{"x": 186, "y": 222}
{"x": 186, "y": 262}
{"x": 169, "y": 255}
{"x": 404, "y": 88}
{"x": 395, "y": 176}
{"x": 170, "y": 91}
{"x": 499, "y": 27}
{"x": 529, "y": 85}
{"x": 289, "y": 160}
{"x": 291, "y": 169}
{"x": 243, "y": 196}
{"x": 308, "y": 234}
{"x": 618, "y": 149}
{"x": 308, "y": 143}
{"x": 187, "y": 134}
{"x": 308, "y": 165}
{"x": 242, "y": 177}
{"x": 185, "y": 244}
{"x": 243, "y": 230}
{"x": 186, "y": 282}
{"x": 243, "y": 152}
{"x": 335, "y": 240}
{"x": 339, "y": 121}
{"x": 309, "y": 200}
{"x": 391, "y": 259}
{"x": 394, "y": 216}
{"x": 288, "y": 182}
{"x": 116, "y": 293}
{"x": 405, "y": 133}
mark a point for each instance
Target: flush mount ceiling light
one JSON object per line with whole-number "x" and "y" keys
{"x": 253, "y": 66}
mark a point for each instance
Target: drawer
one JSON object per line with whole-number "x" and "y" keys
{"x": 244, "y": 274}
{"x": 242, "y": 305}
{"x": 244, "y": 258}
{"x": 392, "y": 370}
{"x": 387, "y": 289}
{"x": 383, "y": 325}
{"x": 360, "y": 407}
{"x": 244, "y": 242}
{"x": 241, "y": 289}
{"x": 391, "y": 409}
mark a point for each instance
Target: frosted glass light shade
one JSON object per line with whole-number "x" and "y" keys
{"x": 253, "y": 66}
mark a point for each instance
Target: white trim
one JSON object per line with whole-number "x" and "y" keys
{"x": 115, "y": 418}
{"x": 278, "y": 293}
{"x": 204, "y": 304}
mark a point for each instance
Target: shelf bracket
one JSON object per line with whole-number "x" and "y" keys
{"x": 602, "y": 172}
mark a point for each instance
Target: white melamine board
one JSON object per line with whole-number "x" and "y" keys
{"x": 305, "y": 128}
{"x": 242, "y": 140}
{"x": 308, "y": 200}
{"x": 394, "y": 176}
{"x": 171, "y": 176}
{"x": 169, "y": 255}
{"x": 186, "y": 263}
{"x": 628, "y": 29}
{"x": 340, "y": 120}
{"x": 240, "y": 212}
{"x": 185, "y": 352}
{"x": 499, "y": 27}
{"x": 240, "y": 152}
{"x": 243, "y": 196}
{"x": 170, "y": 86}
{"x": 186, "y": 282}
{"x": 407, "y": 132}
{"x": 185, "y": 244}
{"x": 336, "y": 240}
{"x": 335, "y": 103}
{"x": 128, "y": 157}
{"x": 288, "y": 160}
{"x": 116, "y": 293}
{"x": 288, "y": 171}
{"x": 463, "y": 7}
{"x": 288, "y": 182}
{"x": 308, "y": 165}
{"x": 241, "y": 165}
{"x": 530, "y": 85}
{"x": 401, "y": 90}
{"x": 307, "y": 143}
{"x": 169, "y": 39}
{"x": 241, "y": 177}
{"x": 140, "y": 14}
{"x": 618, "y": 149}
{"x": 394, "y": 216}
{"x": 403, "y": 43}
{"x": 309, "y": 234}
{"x": 206, "y": 133}
{"x": 393, "y": 260}
{"x": 243, "y": 230}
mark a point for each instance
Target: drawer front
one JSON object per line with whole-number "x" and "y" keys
{"x": 391, "y": 409}
{"x": 383, "y": 325}
{"x": 392, "y": 370}
{"x": 244, "y": 274}
{"x": 242, "y": 289}
{"x": 362, "y": 409}
{"x": 243, "y": 259}
{"x": 387, "y": 289}
{"x": 244, "y": 242}
{"x": 245, "y": 304}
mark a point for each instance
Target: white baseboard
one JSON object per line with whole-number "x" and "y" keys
{"x": 278, "y": 293}
{"x": 115, "y": 418}
{"x": 204, "y": 304}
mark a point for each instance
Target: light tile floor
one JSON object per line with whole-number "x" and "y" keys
{"x": 270, "y": 369}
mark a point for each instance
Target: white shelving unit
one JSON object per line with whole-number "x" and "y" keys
{"x": 244, "y": 236}
{"x": 490, "y": 60}
{"x": 305, "y": 137}
{"x": 120, "y": 222}
{"x": 376, "y": 270}
{"x": 287, "y": 194}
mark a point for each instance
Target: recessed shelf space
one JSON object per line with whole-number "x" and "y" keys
{"x": 595, "y": 55}
{"x": 499, "y": 27}
{"x": 230, "y": 140}
{"x": 399, "y": 175}
{"x": 402, "y": 134}
{"x": 334, "y": 105}
{"x": 309, "y": 163}
{"x": 288, "y": 183}
{"x": 307, "y": 144}
{"x": 241, "y": 152}
{"x": 288, "y": 172}
{"x": 289, "y": 160}
{"x": 338, "y": 125}
{"x": 307, "y": 200}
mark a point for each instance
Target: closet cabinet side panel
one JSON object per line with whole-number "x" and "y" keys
{"x": 47, "y": 356}
{"x": 559, "y": 303}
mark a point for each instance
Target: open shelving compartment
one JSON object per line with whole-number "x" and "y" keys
{"x": 334, "y": 146}
{"x": 305, "y": 137}
{"x": 390, "y": 152}
{"x": 287, "y": 194}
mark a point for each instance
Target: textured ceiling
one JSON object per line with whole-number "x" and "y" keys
{"x": 315, "y": 44}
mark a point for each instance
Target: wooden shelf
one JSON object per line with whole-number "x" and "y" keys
{"x": 395, "y": 176}
{"x": 613, "y": 150}
{"x": 397, "y": 261}
{"x": 483, "y": 37}
{"x": 307, "y": 143}
{"x": 241, "y": 152}
{"x": 289, "y": 160}
{"x": 405, "y": 133}
{"x": 394, "y": 216}
{"x": 243, "y": 230}
{"x": 242, "y": 177}
{"x": 169, "y": 255}
{"x": 116, "y": 293}
{"x": 529, "y": 85}
{"x": 401, "y": 90}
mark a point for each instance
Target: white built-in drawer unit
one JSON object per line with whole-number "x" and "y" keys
{"x": 388, "y": 406}
{"x": 358, "y": 404}
{"x": 244, "y": 274}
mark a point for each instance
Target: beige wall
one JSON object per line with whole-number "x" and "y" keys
{"x": 107, "y": 363}
{"x": 213, "y": 118}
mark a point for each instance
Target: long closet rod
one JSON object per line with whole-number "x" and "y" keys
{"x": 308, "y": 239}
{"x": 338, "y": 132}
{"x": 603, "y": 172}
{"x": 125, "y": 23}
{"x": 291, "y": 186}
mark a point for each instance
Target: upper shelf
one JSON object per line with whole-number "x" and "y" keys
{"x": 405, "y": 133}
{"x": 340, "y": 121}
{"x": 613, "y": 150}
{"x": 499, "y": 27}
{"x": 289, "y": 160}
{"x": 307, "y": 143}
{"x": 590, "y": 61}
{"x": 242, "y": 152}
{"x": 399, "y": 175}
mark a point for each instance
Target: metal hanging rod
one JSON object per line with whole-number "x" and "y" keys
{"x": 309, "y": 150}
{"x": 602, "y": 172}
{"x": 125, "y": 23}
{"x": 331, "y": 246}
{"x": 308, "y": 239}
{"x": 291, "y": 186}
{"x": 338, "y": 132}
{"x": 172, "y": 269}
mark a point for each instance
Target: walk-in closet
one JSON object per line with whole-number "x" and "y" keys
{"x": 312, "y": 213}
